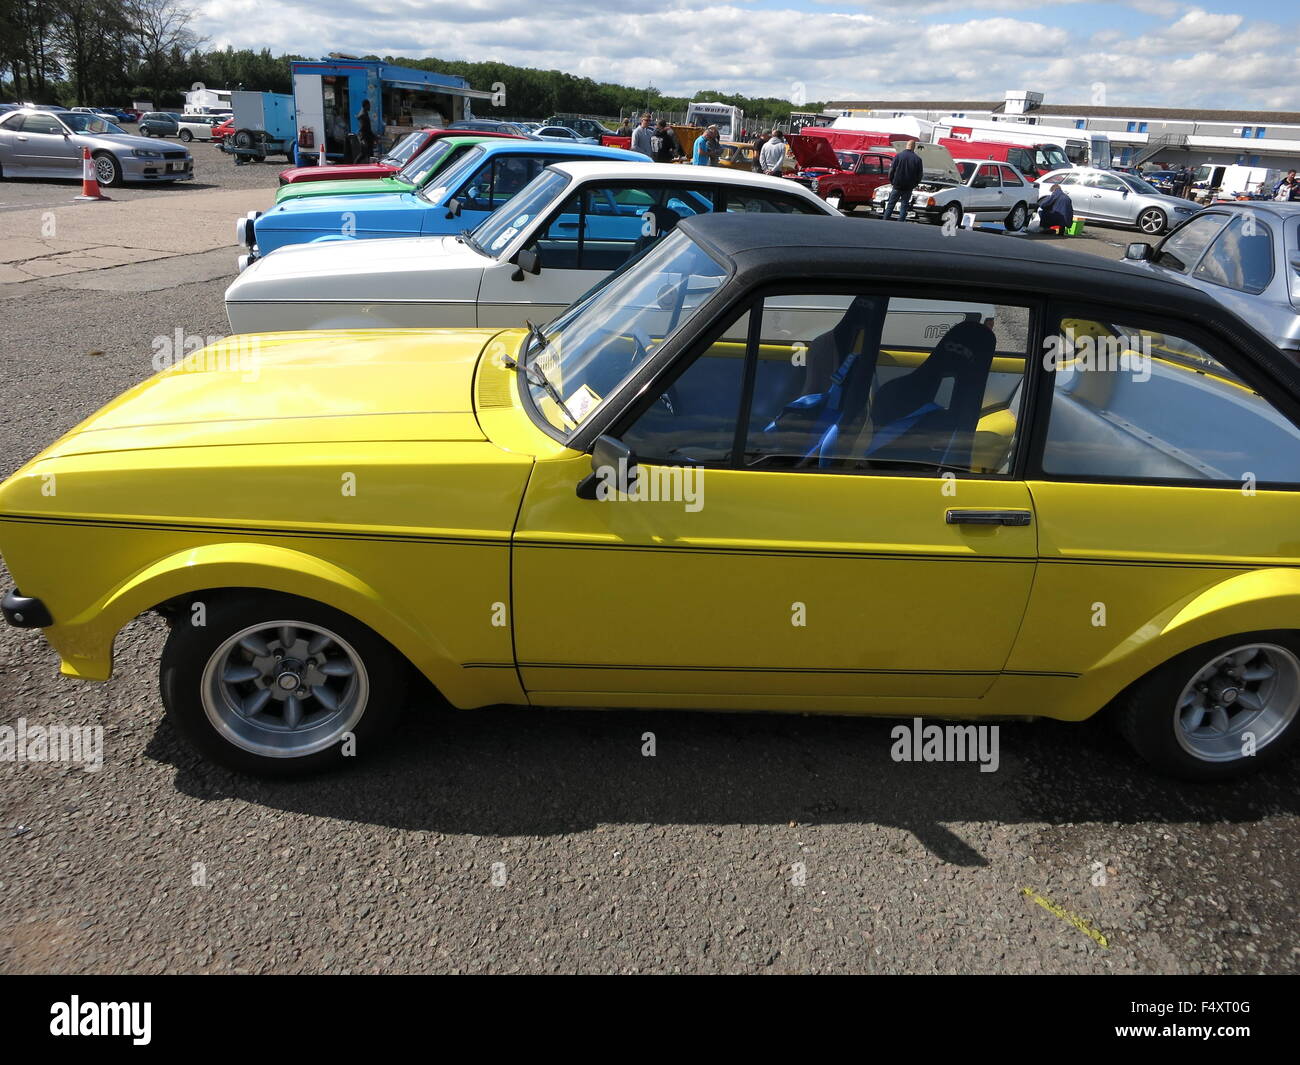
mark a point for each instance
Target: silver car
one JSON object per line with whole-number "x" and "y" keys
{"x": 1247, "y": 256}
{"x": 1122, "y": 199}
{"x": 48, "y": 144}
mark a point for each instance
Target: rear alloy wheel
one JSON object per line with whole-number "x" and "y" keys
{"x": 186, "y": 136}
{"x": 1219, "y": 710}
{"x": 107, "y": 169}
{"x": 276, "y": 685}
{"x": 1018, "y": 218}
{"x": 1152, "y": 221}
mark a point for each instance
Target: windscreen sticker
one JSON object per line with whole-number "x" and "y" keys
{"x": 582, "y": 402}
{"x": 506, "y": 237}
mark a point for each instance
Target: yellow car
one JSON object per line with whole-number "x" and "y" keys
{"x": 779, "y": 463}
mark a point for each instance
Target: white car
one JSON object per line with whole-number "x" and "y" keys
{"x": 198, "y": 127}
{"x": 1121, "y": 199}
{"x": 572, "y": 226}
{"x": 954, "y": 189}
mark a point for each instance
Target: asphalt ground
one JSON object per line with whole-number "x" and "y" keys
{"x": 515, "y": 840}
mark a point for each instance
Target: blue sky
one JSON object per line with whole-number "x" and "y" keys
{"x": 1245, "y": 54}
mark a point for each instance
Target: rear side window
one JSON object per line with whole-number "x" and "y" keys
{"x": 1133, "y": 402}
{"x": 1009, "y": 177}
{"x": 41, "y": 124}
{"x": 1241, "y": 257}
{"x": 741, "y": 200}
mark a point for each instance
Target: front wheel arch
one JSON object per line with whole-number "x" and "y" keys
{"x": 1153, "y": 221}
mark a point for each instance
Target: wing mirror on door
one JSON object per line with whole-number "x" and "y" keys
{"x": 613, "y": 465}
{"x": 526, "y": 261}
{"x": 1139, "y": 251}
{"x": 453, "y": 208}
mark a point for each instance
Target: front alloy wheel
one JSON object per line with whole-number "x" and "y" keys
{"x": 274, "y": 684}
{"x": 107, "y": 170}
{"x": 1152, "y": 221}
{"x": 1218, "y": 710}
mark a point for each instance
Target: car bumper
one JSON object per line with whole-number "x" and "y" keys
{"x": 24, "y": 612}
{"x": 157, "y": 169}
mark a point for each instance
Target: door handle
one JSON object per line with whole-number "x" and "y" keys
{"x": 988, "y": 517}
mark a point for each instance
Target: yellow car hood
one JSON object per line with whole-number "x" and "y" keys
{"x": 322, "y": 386}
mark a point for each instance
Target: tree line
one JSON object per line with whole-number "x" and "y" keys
{"x": 107, "y": 53}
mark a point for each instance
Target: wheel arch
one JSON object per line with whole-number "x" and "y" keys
{"x": 173, "y": 583}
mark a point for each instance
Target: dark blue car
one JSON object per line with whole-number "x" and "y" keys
{"x": 488, "y": 176}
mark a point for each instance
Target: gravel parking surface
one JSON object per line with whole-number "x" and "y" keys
{"x": 509, "y": 840}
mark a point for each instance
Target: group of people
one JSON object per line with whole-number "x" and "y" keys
{"x": 658, "y": 141}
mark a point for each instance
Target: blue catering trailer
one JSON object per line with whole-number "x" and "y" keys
{"x": 328, "y": 94}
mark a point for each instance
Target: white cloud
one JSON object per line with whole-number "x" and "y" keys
{"x": 844, "y": 49}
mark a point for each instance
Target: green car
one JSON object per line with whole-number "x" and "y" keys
{"x": 414, "y": 175}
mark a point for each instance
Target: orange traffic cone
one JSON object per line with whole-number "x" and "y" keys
{"x": 323, "y": 160}
{"x": 89, "y": 182}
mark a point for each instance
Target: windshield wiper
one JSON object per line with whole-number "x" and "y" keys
{"x": 535, "y": 336}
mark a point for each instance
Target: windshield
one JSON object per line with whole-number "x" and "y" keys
{"x": 604, "y": 337}
{"x": 1138, "y": 185}
{"x": 427, "y": 163}
{"x": 455, "y": 175}
{"x": 405, "y": 148}
{"x": 498, "y": 229}
{"x": 80, "y": 122}
{"x": 1050, "y": 157}
{"x": 964, "y": 169}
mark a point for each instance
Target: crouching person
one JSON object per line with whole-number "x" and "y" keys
{"x": 1055, "y": 209}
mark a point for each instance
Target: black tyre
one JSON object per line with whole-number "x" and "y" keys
{"x": 1219, "y": 710}
{"x": 108, "y": 171}
{"x": 1018, "y": 218}
{"x": 1153, "y": 221}
{"x": 276, "y": 685}
{"x": 186, "y": 136}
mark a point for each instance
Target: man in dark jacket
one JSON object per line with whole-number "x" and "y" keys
{"x": 1056, "y": 210}
{"x": 759, "y": 141}
{"x": 905, "y": 173}
{"x": 664, "y": 144}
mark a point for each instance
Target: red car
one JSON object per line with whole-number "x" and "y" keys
{"x": 223, "y": 129}
{"x": 401, "y": 153}
{"x": 843, "y": 177}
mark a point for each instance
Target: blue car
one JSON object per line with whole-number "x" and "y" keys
{"x": 488, "y": 176}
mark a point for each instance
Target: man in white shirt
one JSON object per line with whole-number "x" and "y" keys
{"x": 641, "y": 137}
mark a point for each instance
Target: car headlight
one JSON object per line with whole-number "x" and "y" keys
{"x": 1184, "y": 210}
{"x": 244, "y": 232}
{"x": 245, "y": 261}
{"x": 814, "y": 185}
{"x": 144, "y": 153}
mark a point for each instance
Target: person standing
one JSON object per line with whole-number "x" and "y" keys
{"x": 664, "y": 145}
{"x": 759, "y": 142}
{"x": 905, "y": 174}
{"x": 625, "y": 130}
{"x": 1286, "y": 188}
{"x": 365, "y": 131}
{"x": 708, "y": 148}
{"x": 642, "y": 136}
{"x": 772, "y": 158}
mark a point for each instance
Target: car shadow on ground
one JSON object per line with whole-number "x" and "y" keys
{"x": 511, "y": 772}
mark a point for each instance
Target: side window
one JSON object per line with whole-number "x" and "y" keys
{"x": 753, "y": 201}
{"x": 1009, "y": 178}
{"x": 865, "y": 383}
{"x": 498, "y": 180}
{"x": 602, "y": 226}
{"x": 693, "y": 422}
{"x": 1185, "y": 244}
{"x": 1241, "y": 257}
{"x": 1106, "y": 182}
{"x": 1130, "y": 401}
{"x": 1021, "y": 158}
{"x": 36, "y": 123}
{"x": 12, "y": 122}
{"x": 986, "y": 177}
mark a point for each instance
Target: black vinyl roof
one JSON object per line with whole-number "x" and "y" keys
{"x": 779, "y": 248}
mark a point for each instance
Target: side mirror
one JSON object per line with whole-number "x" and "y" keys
{"x": 527, "y": 261}
{"x": 453, "y": 208}
{"x": 613, "y": 466}
{"x": 1139, "y": 251}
